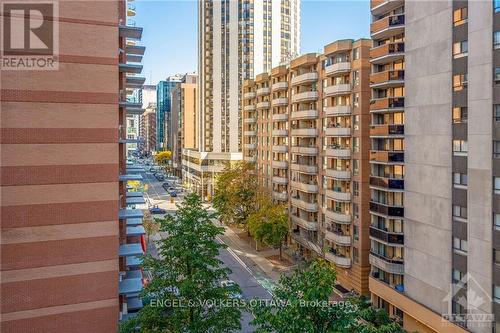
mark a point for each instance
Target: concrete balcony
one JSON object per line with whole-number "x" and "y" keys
{"x": 309, "y": 169}
{"x": 280, "y": 164}
{"x": 338, "y": 174}
{"x": 249, "y": 95}
{"x": 338, "y": 131}
{"x": 338, "y": 110}
{"x": 280, "y": 116}
{"x": 249, "y": 107}
{"x": 307, "y": 132}
{"x": 387, "y": 79}
{"x": 308, "y": 225}
{"x": 305, "y": 150}
{"x": 249, "y": 120}
{"x": 280, "y": 180}
{"x": 385, "y": 130}
{"x": 338, "y": 153}
{"x": 263, "y": 105}
{"x": 338, "y": 196}
{"x": 280, "y": 149}
{"x": 382, "y": 6}
{"x": 283, "y": 101}
{"x": 250, "y": 146}
{"x": 338, "y": 68}
{"x": 304, "y": 78}
{"x": 279, "y": 86}
{"x": 305, "y": 96}
{"x": 338, "y": 89}
{"x": 280, "y": 132}
{"x": 307, "y": 206}
{"x": 281, "y": 196}
{"x": 338, "y": 260}
{"x": 263, "y": 91}
{"x": 389, "y": 265}
{"x": 344, "y": 240}
{"x": 387, "y": 53}
{"x": 305, "y": 114}
{"x": 388, "y": 26}
{"x": 250, "y": 159}
{"x": 130, "y": 32}
{"x": 309, "y": 188}
{"x": 249, "y": 133}
{"x": 338, "y": 217}
{"x": 387, "y": 104}
{"x": 387, "y": 156}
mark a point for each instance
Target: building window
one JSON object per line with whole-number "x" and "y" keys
{"x": 355, "y": 167}
{"x": 496, "y": 222}
{"x": 459, "y": 245}
{"x": 496, "y": 293}
{"x": 496, "y": 112}
{"x": 355, "y": 188}
{"x": 497, "y": 185}
{"x": 496, "y": 39}
{"x": 459, "y": 211}
{"x": 496, "y": 7}
{"x": 355, "y": 210}
{"x": 355, "y": 77}
{"x": 355, "y": 54}
{"x": 459, "y": 82}
{"x": 355, "y": 255}
{"x": 355, "y": 232}
{"x": 460, "y": 147}
{"x": 355, "y": 144}
{"x": 460, "y": 49}
{"x": 459, "y": 115}
{"x": 355, "y": 122}
{"x": 459, "y": 179}
{"x": 459, "y": 16}
{"x": 496, "y": 149}
{"x": 355, "y": 101}
{"x": 456, "y": 276}
{"x": 496, "y": 256}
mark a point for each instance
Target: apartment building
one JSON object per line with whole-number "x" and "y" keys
{"x": 184, "y": 119}
{"x": 164, "y": 140}
{"x": 306, "y": 126}
{"x": 64, "y": 207}
{"x": 147, "y": 130}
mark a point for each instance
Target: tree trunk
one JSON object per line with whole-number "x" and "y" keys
{"x": 280, "y": 253}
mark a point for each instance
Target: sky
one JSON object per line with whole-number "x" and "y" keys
{"x": 170, "y": 31}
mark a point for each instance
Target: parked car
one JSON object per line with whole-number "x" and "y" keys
{"x": 157, "y": 210}
{"x": 173, "y": 194}
{"x": 166, "y": 185}
{"x": 159, "y": 176}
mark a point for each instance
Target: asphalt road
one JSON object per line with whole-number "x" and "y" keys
{"x": 241, "y": 273}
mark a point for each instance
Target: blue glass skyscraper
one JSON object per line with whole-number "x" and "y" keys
{"x": 163, "y": 109}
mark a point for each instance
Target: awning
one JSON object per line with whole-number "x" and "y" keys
{"x": 134, "y": 262}
{"x": 135, "y": 194}
{"x": 130, "y": 287}
{"x": 131, "y": 249}
{"x": 135, "y": 231}
{"x": 130, "y": 213}
{"x": 127, "y": 177}
{"x": 134, "y": 304}
{"x": 130, "y": 32}
{"x": 135, "y": 201}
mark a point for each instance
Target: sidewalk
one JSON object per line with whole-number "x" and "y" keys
{"x": 265, "y": 260}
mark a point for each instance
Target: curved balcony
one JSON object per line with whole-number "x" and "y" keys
{"x": 386, "y": 130}
{"x": 338, "y": 89}
{"x": 309, "y": 169}
{"x": 263, "y": 105}
{"x": 280, "y": 164}
{"x": 387, "y": 79}
{"x": 338, "y": 153}
{"x": 338, "y": 196}
{"x": 338, "y": 68}
{"x": 280, "y": 116}
{"x": 344, "y": 240}
{"x": 307, "y": 206}
{"x": 305, "y": 150}
{"x": 338, "y": 260}
{"x": 338, "y": 131}
{"x": 309, "y": 188}
{"x": 305, "y": 114}
{"x": 393, "y": 266}
{"x": 281, "y": 196}
{"x": 249, "y": 95}
{"x": 304, "y": 78}
{"x": 280, "y": 149}
{"x": 249, "y": 107}
{"x": 387, "y": 53}
{"x": 280, "y": 180}
{"x": 387, "y": 210}
{"x": 280, "y": 86}
{"x": 250, "y": 146}
{"x": 308, "y": 225}
{"x": 304, "y": 132}
{"x": 388, "y": 26}
{"x": 338, "y": 174}
{"x": 249, "y": 120}
{"x": 283, "y": 101}
{"x": 305, "y": 96}
{"x": 250, "y": 133}
{"x": 262, "y": 91}
{"x": 280, "y": 132}
{"x": 393, "y": 238}
{"x": 338, "y": 217}
{"x": 338, "y": 110}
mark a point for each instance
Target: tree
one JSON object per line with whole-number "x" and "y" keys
{"x": 150, "y": 225}
{"x": 163, "y": 158}
{"x": 301, "y": 304}
{"x": 269, "y": 223}
{"x": 235, "y": 193}
{"x": 185, "y": 294}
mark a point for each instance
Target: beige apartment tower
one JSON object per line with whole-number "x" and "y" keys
{"x": 306, "y": 127}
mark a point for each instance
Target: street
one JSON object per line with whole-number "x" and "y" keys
{"x": 246, "y": 276}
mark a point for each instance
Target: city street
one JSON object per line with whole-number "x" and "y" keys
{"x": 247, "y": 276}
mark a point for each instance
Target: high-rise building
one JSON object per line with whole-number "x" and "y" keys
{"x": 163, "y": 111}
{"x": 306, "y": 126}
{"x": 148, "y": 130}
{"x": 442, "y": 262}
{"x": 147, "y": 95}
{"x": 66, "y": 241}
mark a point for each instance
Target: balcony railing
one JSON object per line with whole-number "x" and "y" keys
{"x": 340, "y": 67}
{"x": 393, "y": 266}
{"x": 304, "y": 78}
{"x": 387, "y": 103}
{"x": 304, "y": 114}
{"x": 386, "y": 51}
{"x": 387, "y": 156}
{"x": 338, "y": 259}
{"x": 388, "y": 183}
{"x": 387, "y": 78}
{"x": 387, "y": 129}
{"x": 301, "y": 203}
{"x": 386, "y": 236}
{"x": 385, "y": 24}
{"x": 387, "y": 210}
